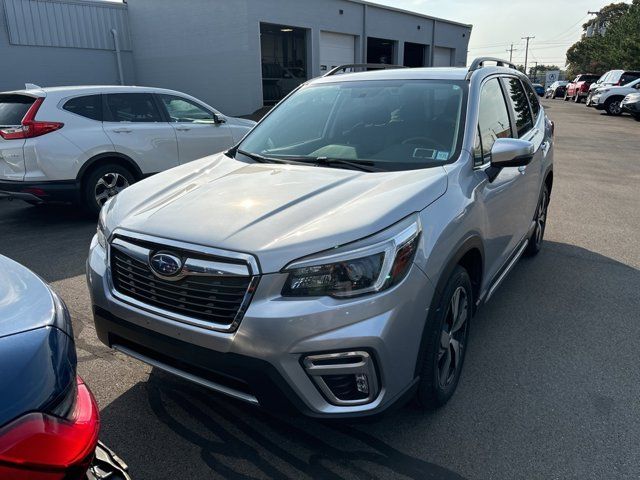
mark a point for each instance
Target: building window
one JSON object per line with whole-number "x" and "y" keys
{"x": 380, "y": 50}
{"x": 414, "y": 55}
{"x": 284, "y": 60}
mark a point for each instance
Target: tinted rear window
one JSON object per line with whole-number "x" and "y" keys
{"x": 132, "y": 107}
{"x": 629, "y": 77}
{"x": 89, "y": 106}
{"x": 520, "y": 105}
{"x": 13, "y": 108}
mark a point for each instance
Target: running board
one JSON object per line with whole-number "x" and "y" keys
{"x": 246, "y": 397}
{"x": 507, "y": 269}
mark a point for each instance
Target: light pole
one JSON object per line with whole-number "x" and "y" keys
{"x": 511, "y": 50}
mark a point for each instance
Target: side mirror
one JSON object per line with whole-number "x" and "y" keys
{"x": 218, "y": 119}
{"x": 511, "y": 152}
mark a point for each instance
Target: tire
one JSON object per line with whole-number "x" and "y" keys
{"x": 441, "y": 366}
{"x": 566, "y": 96}
{"x": 612, "y": 106}
{"x": 537, "y": 237}
{"x": 637, "y": 117}
{"x": 577, "y": 99}
{"x": 102, "y": 183}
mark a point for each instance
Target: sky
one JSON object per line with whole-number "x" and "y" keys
{"x": 556, "y": 24}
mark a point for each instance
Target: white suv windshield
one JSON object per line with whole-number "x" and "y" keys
{"x": 388, "y": 125}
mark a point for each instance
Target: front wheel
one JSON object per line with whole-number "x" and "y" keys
{"x": 105, "y": 182}
{"x": 577, "y": 99}
{"x": 446, "y": 334}
{"x": 535, "y": 242}
{"x": 612, "y": 107}
{"x": 566, "y": 97}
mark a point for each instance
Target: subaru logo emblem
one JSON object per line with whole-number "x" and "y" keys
{"x": 165, "y": 264}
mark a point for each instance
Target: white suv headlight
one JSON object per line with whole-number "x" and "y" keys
{"x": 358, "y": 271}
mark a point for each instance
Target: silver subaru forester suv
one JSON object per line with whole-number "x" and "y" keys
{"x": 333, "y": 260}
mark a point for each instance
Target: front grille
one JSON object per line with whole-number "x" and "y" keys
{"x": 213, "y": 299}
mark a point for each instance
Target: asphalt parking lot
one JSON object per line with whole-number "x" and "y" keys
{"x": 551, "y": 385}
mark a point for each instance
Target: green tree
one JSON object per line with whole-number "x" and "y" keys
{"x": 615, "y": 42}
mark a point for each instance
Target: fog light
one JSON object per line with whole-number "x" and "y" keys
{"x": 362, "y": 384}
{"x": 344, "y": 378}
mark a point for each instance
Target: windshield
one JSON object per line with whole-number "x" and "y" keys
{"x": 388, "y": 125}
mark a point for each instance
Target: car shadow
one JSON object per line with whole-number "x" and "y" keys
{"x": 52, "y": 240}
{"x": 548, "y": 312}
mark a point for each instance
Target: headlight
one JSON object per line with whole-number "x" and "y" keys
{"x": 101, "y": 229}
{"x": 372, "y": 268}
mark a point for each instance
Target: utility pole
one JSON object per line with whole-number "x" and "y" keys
{"x": 511, "y": 50}
{"x": 526, "y": 52}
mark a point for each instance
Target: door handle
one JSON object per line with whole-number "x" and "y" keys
{"x": 183, "y": 129}
{"x": 122, "y": 130}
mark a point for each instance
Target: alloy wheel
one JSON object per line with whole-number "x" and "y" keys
{"x": 541, "y": 217}
{"x": 109, "y": 185}
{"x": 615, "y": 108}
{"x": 453, "y": 337}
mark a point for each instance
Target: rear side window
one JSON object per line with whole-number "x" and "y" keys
{"x": 629, "y": 77}
{"x": 131, "y": 107}
{"x": 89, "y": 106}
{"x": 493, "y": 120}
{"x": 533, "y": 101}
{"x": 13, "y": 108}
{"x": 520, "y": 105}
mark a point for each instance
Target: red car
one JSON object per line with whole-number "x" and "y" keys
{"x": 579, "y": 87}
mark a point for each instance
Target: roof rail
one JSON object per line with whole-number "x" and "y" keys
{"x": 372, "y": 66}
{"x": 479, "y": 63}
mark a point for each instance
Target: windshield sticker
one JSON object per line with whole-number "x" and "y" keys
{"x": 424, "y": 153}
{"x": 442, "y": 156}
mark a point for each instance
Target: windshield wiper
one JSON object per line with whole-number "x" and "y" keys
{"x": 364, "y": 165}
{"x": 260, "y": 159}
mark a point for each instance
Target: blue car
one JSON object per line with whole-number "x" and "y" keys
{"x": 539, "y": 89}
{"x": 49, "y": 419}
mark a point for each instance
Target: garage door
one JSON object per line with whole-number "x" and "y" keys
{"x": 442, "y": 57}
{"x": 336, "y": 49}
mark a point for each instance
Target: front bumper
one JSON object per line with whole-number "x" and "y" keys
{"x": 41, "y": 192}
{"x": 631, "y": 107}
{"x": 262, "y": 361}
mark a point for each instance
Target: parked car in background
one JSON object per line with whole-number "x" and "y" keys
{"x": 631, "y": 105}
{"x": 556, "y": 89}
{"x": 334, "y": 259}
{"x": 49, "y": 420}
{"x": 612, "y": 78}
{"x": 578, "y": 89}
{"x": 86, "y": 144}
{"x": 610, "y": 98}
{"x": 539, "y": 89}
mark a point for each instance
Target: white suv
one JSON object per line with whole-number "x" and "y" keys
{"x": 610, "y": 98}
{"x": 85, "y": 144}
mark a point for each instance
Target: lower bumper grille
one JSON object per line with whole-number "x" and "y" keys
{"x": 213, "y": 297}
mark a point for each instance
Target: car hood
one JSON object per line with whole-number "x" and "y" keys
{"x": 276, "y": 212}
{"x": 26, "y": 302}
